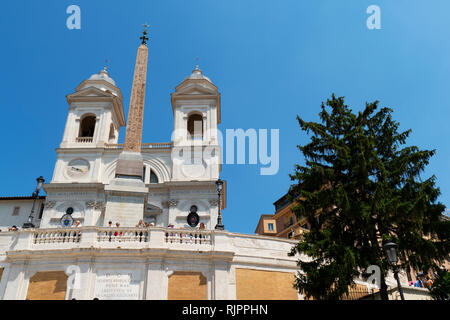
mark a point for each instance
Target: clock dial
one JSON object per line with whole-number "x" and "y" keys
{"x": 78, "y": 168}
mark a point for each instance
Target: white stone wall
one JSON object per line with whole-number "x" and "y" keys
{"x": 7, "y": 219}
{"x": 152, "y": 262}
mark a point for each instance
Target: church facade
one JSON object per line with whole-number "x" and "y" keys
{"x": 137, "y": 220}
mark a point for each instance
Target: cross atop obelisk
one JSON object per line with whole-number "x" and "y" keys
{"x": 129, "y": 164}
{"x": 144, "y": 37}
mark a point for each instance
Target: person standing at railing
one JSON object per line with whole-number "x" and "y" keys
{"x": 140, "y": 224}
{"x": 110, "y": 225}
{"x": 117, "y": 233}
{"x": 201, "y": 227}
{"x": 77, "y": 235}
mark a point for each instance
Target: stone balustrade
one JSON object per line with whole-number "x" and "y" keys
{"x": 84, "y": 139}
{"x": 26, "y": 241}
{"x": 123, "y": 235}
{"x": 86, "y": 237}
{"x": 162, "y": 145}
{"x": 188, "y": 237}
{"x": 56, "y": 236}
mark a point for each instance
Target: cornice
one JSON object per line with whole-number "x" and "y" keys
{"x": 56, "y": 186}
{"x": 102, "y": 82}
{"x": 184, "y": 96}
{"x": 105, "y": 97}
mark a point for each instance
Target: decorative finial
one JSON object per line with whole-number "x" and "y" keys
{"x": 105, "y": 68}
{"x": 144, "y": 37}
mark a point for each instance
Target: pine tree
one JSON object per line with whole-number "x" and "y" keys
{"x": 361, "y": 184}
{"x": 441, "y": 286}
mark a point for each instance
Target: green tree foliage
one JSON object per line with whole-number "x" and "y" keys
{"x": 361, "y": 184}
{"x": 441, "y": 286}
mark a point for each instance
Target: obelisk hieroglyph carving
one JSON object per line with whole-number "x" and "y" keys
{"x": 130, "y": 162}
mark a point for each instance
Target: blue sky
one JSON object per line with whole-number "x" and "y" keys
{"x": 271, "y": 60}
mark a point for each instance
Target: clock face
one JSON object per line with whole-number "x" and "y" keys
{"x": 77, "y": 168}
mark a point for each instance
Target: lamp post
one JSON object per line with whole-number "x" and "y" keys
{"x": 35, "y": 195}
{"x": 219, "y": 225}
{"x": 390, "y": 248}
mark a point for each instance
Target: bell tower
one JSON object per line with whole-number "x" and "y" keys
{"x": 95, "y": 113}
{"x": 196, "y": 149}
{"x": 94, "y": 119}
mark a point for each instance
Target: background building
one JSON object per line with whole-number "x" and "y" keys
{"x": 284, "y": 222}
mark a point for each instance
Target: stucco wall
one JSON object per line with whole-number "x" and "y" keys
{"x": 47, "y": 285}
{"x": 185, "y": 285}
{"x": 7, "y": 219}
{"x": 264, "y": 285}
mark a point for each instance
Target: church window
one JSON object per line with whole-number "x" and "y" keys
{"x": 153, "y": 177}
{"x": 112, "y": 134}
{"x": 87, "y": 127}
{"x": 195, "y": 126}
{"x": 16, "y": 211}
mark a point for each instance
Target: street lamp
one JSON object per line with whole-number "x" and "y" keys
{"x": 390, "y": 248}
{"x": 219, "y": 225}
{"x": 35, "y": 195}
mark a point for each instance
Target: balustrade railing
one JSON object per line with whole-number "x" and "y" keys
{"x": 188, "y": 237}
{"x": 57, "y": 236}
{"x": 136, "y": 238}
{"x": 162, "y": 145}
{"x": 92, "y": 236}
{"x": 84, "y": 139}
{"x": 123, "y": 235}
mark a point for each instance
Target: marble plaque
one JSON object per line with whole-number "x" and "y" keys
{"x": 117, "y": 285}
{"x": 127, "y": 212}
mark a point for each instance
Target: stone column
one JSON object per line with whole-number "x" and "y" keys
{"x": 15, "y": 281}
{"x": 155, "y": 280}
{"x": 220, "y": 280}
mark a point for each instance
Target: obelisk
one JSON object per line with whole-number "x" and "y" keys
{"x": 130, "y": 162}
{"x": 125, "y": 194}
